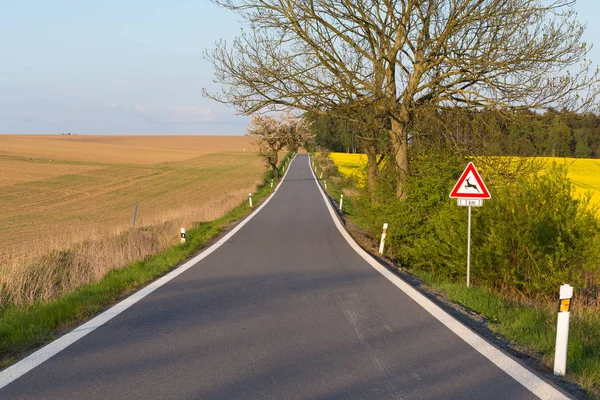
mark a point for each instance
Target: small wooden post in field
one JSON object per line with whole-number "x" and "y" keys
{"x": 134, "y": 215}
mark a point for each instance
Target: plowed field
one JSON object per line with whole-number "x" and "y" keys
{"x": 57, "y": 189}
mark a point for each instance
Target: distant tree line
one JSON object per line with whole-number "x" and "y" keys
{"x": 482, "y": 132}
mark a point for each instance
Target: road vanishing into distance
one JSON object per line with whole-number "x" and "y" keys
{"x": 285, "y": 308}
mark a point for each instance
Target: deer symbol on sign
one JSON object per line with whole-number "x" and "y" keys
{"x": 470, "y": 185}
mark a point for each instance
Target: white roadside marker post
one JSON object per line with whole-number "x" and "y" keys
{"x": 341, "y": 201}
{"x": 271, "y": 182}
{"x": 250, "y": 199}
{"x": 321, "y": 176}
{"x": 562, "y": 330}
{"x": 182, "y": 235}
{"x": 382, "y": 243}
{"x": 325, "y": 182}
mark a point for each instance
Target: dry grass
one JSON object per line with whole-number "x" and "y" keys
{"x": 66, "y": 220}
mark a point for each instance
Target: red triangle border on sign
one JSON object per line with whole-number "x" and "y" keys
{"x": 485, "y": 194}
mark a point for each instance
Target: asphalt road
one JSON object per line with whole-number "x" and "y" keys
{"x": 284, "y": 310}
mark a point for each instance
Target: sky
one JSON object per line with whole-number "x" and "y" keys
{"x": 126, "y": 66}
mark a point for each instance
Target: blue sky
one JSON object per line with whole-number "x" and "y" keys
{"x": 124, "y": 66}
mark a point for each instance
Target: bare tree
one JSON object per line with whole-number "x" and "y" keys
{"x": 273, "y": 134}
{"x": 368, "y": 126}
{"x": 312, "y": 55}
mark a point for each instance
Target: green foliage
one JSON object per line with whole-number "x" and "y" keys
{"x": 534, "y": 236}
{"x": 528, "y": 239}
{"x": 483, "y": 132}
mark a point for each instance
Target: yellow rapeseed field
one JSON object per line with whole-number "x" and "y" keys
{"x": 351, "y": 165}
{"x": 583, "y": 172}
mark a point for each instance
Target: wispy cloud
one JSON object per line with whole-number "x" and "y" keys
{"x": 177, "y": 114}
{"x": 192, "y": 114}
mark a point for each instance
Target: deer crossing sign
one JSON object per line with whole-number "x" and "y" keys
{"x": 470, "y": 189}
{"x": 470, "y": 192}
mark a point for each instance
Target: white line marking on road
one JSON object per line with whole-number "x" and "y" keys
{"x": 528, "y": 379}
{"x": 27, "y": 364}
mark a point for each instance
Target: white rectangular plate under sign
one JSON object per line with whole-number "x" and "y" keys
{"x": 470, "y": 202}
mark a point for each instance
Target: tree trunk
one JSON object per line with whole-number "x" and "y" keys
{"x": 275, "y": 171}
{"x": 399, "y": 137}
{"x": 372, "y": 167}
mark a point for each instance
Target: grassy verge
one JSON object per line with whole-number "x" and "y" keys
{"x": 530, "y": 327}
{"x": 25, "y": 328}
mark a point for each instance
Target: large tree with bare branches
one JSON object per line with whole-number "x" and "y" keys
{"x": 397, "y": 55}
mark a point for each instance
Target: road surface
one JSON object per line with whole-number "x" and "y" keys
{"x": 285, "y": 309}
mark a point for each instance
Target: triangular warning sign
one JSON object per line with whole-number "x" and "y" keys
{"x": 470, "y": 185}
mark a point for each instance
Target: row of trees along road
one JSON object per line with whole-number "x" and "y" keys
{"x": 397, "y": 60}
{"x": 274, "y": 134}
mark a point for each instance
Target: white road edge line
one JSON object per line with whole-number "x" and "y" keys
{"x": 529, "y": 380}
{"x": 28, "y": 363}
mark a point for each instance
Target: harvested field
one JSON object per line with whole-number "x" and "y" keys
{"x": 146, "y": 150}
{"x": 57, "y": 191}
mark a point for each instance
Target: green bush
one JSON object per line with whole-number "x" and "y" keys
{"x": 531, "y": 237}
{"x": 534, "y": 236}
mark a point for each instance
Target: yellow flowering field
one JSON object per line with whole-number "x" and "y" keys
{"x": 583, "y": 172}
{"x": 351, "y": 165}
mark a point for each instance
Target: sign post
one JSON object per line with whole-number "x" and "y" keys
{"x": 470, "y": 191}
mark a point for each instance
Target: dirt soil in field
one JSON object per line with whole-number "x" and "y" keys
{"x": 57, "y": 189}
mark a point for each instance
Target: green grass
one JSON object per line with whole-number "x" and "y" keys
{"x": 533, "y": 327}
{"x": 530, "y": 327}
{"x": 25, "y": 328}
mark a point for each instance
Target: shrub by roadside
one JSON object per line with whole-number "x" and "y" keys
{"x": 528, "y": 239}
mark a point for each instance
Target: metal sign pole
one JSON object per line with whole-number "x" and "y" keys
{"x": 469, "y": 250}
{"x": 470, "y": 191}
